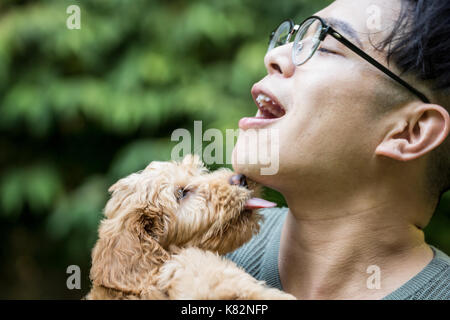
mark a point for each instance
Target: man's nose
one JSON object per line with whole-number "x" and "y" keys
{"x": 238, "y": 180}
{"x": 279, "y": 61}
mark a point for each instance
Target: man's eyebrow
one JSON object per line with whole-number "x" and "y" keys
{"x": 345, "y": 28}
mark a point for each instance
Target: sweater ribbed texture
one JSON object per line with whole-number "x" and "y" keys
{"x": 259, "y": 257}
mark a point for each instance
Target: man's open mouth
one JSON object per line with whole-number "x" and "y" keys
{"x": 269, "y": 111}
{"x": 268, "y": 108}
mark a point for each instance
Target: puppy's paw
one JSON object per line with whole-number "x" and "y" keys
{"x": 203, "y": 275}
{"x": 190, "y": 274}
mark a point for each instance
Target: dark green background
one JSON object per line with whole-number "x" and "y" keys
{"x": 81, "y": 108}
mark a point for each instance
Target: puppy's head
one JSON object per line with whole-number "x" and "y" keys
{"x": 171, "y": 204}
{"x": 213, "y": 210}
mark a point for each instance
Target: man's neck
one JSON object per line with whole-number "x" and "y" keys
{"x": 342, "y": 254}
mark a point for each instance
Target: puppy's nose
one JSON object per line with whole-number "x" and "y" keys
{"x": 238, "y": 180}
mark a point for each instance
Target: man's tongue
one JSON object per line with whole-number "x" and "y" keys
{"x": 257, "y": 203}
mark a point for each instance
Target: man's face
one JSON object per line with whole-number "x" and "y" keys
{"x": 329, "y": 130}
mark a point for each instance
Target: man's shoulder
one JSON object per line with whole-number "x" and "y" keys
{"x": 272, "y": 220}
{"x": 442, "y": 261}
{"x": 272, "y": 217}
{"x": 250, "y": 256}
{"x": 437, "y": 277}
{"x": 441, "y": 257}
{"x": 432, "y": 283}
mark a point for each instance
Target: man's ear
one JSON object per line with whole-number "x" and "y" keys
{"x": 417, "y": 134}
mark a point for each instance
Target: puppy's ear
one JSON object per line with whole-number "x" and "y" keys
{"x": 124, "y": 183}
{"x": 128, "y": 251}
{"x": 122, "y": 193}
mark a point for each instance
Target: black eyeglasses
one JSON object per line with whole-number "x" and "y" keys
{"x": 311, "y": 33}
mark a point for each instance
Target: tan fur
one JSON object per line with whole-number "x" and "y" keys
{"x": 154, "y": 246}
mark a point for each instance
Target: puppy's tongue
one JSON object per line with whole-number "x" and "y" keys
{"x": 257, "y": 203}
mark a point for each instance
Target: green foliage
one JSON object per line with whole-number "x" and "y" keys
{"x": 38, "y": 186}
{"x": 81, "y": 108}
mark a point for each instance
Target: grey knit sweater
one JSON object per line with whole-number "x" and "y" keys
{"x": 259, "y": 257}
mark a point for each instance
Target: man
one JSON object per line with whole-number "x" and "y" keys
{"x": 363, "y": 156}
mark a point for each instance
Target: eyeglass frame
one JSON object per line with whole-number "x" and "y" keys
{"x": 328, "y": 30}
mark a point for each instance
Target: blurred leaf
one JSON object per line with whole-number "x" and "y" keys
{"x": 137, "y": 155}
{"x": 11, "y": 194}
{"x": 81, "y": 209}
{"x": 37, "y": 186}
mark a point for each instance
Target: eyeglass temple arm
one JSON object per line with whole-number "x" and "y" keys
{"x": 364, "y": 55}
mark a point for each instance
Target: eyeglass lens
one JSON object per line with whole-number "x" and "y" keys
{"x": 306, "y": 42}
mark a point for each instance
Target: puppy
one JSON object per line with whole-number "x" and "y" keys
{"x": 165, "y": 229}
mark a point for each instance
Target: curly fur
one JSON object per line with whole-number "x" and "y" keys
{"x": 155, "y": 245}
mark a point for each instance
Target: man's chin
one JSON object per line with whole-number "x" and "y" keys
{"x": 252, "y": 171}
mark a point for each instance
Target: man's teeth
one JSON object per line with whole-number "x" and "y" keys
{"x": 263, "y": 102}
{"x": 262, "y": 97}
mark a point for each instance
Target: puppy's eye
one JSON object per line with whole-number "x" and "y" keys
{"x": 181, "y": 193}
